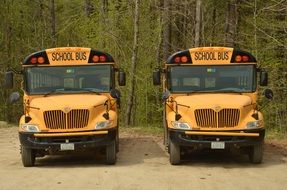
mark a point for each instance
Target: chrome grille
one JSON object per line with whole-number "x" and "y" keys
{"x": 211, "y": 119}
{"x": 57, "y": 119}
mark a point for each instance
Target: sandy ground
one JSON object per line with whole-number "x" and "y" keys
{"x": 142, "y": 164}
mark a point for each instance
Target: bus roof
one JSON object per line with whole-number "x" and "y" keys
{"x": 68, "y": 56}
{"x": 211, "y": 55}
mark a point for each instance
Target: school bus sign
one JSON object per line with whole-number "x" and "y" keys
{"x": 211, "y": 56}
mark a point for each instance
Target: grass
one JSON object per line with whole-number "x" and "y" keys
{"x": 151, "y": 130}
{"x": 4, "y": 124}
{"x": 276, "y": 134}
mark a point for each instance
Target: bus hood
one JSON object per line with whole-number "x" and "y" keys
{"x": 214, "y": 100}
{"x": 67, "y": 102}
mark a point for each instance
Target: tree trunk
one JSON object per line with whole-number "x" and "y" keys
{"x": 88, "y": 8}
{"x": 231, "y": 24}
{"x": 197, "y": 40}
{"x": 133, "y": 66}
{"x": 166, "y": 29}
{"x": 53, "y": 22}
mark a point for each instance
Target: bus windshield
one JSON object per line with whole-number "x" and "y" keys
{"x": 207, "y": 78}
{"x": 68, "y": 79}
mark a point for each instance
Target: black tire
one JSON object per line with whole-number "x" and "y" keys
{"x": 256, "y": 153}
{"x": 111, "y": 153}
{"x": 174, "y": 153}
{"x": 28, "y": 156}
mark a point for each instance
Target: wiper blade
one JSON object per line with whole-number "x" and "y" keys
{"x": 96, "y": 91}
{"x": 54, "y": 91}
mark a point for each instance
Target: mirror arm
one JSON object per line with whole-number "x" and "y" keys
{"x": 15, "y": 71}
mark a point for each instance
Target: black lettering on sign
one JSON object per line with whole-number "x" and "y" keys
{"x": 223, "y": 55}
{"x": 205, "y": 56}
{"x": 81, "y": 56}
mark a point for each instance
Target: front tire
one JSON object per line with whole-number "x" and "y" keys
{"x": 111, "y": 153}
{"x": 174, "y": 153}
{"x": 28, "y": 156}
{"x": 256, "y": 153}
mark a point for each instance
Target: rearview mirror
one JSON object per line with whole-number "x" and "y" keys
{"x": 122, "y": 78}
{"x": 115, "y": 93}
{"x": 14, "y": 97}
{"x": 8, "y": 80}
{"x": 165, "y": 95}
{"x": 263, "y": 78}
{"x": 156, "y": 78}
{"x": 268, "y": 93}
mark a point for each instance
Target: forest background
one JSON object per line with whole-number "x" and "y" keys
{"x": 140, "y": 35}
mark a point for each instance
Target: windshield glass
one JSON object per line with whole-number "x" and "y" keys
{"x": 68, "y": 79}
{"x": 226, "y": 78}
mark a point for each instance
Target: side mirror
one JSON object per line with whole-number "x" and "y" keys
{"x": 115, "y": 93}
{"x": 8, "y": 80}
{"x": 122, "y": 78}
{"x": 268, "y": 93}
{"x": 165, "y": 95}
{"x": 263, "y": 78}
{"x": 14, "y": 97}
{"x": 156, "y": 78}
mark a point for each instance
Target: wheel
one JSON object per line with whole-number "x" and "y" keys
{"x": 174, "y": 153}
{"x": 256, "y": 153}
{"x": 28, "y": 156}
{"x": 111, "y": 153}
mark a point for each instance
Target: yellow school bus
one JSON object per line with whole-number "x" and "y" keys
{"x": 70, "y": 102}
{"x": 210, "y": 101}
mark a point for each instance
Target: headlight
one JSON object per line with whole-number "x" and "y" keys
{"x": 30, "y": 128}
{"x": 103, "y": 124}
{"x": 180, "y": 125}
{"x": 254, "y": 124}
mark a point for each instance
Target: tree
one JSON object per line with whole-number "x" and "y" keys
{"x": 133, "y": 65}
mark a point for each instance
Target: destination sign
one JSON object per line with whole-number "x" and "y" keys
{"x": 68, "y": 55}
{"x": 211, "y": 55}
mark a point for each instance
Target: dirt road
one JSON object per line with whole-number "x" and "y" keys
{"x": 142, "y": 164}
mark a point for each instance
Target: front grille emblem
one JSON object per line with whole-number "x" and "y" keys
{"x": 217, "y": 108}
{"x": 67, "y": 109}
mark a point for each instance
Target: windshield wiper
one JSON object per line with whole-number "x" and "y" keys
{"x": 54, "y": 91}
{"x": 61, "y": 90}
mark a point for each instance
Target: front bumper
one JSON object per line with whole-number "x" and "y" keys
{"x": 203, "y": 139}
{"x": 53, "y": 141}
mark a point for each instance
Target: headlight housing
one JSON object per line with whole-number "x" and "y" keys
{"x": 30, "y": 128}
{"x": 103, "y": 124}
{"x": 180, "y": 125}
{"x": 254, "y": 124}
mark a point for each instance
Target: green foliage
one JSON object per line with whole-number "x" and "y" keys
{"x": 25, "y": 28}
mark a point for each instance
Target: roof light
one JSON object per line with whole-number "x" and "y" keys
{"x": 96, "y": 58}
{"x": 177, "y": 59}
{"x": 238, "y": 58}
{"x": 41, "y": 60}
{"x": 245, "y": 58}
{"x": 184, "y": 59}
{"x": 102, "y": 58}
{"x": 33, "y": 60}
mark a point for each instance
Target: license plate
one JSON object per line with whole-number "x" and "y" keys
{"x": 67, "y": 146}
{"x": 217, "y": 145}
